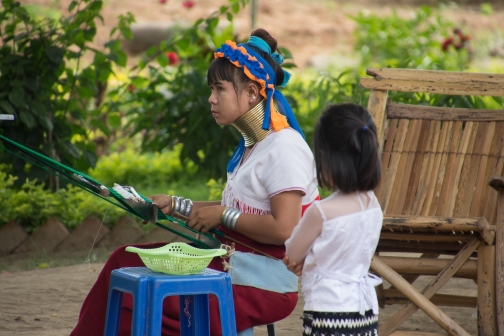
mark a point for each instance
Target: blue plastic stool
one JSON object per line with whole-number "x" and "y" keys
{"x": 149, "y": 289}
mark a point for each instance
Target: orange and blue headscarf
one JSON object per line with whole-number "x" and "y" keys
{"x": 258, "y": 69}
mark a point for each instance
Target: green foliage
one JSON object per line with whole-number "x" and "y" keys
{"x": 169, "y": 105}
{"x": 215, "y": 187}
{"x": 32, "y": 205}
{"x": 146, "y": 170}
{"x": 56, "y": 100}
{"x": 397, "y": 42}
{"x": 308, "y": 96}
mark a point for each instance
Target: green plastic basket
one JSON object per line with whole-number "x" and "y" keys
{"x": 176, "y": 258}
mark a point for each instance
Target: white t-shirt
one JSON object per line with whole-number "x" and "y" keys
{"x": 280, "y": 162}
{"x": 337, "y": 238}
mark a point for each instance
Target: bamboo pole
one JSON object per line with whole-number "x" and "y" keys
{"x": 431, "y": 289}
{"x": 394, "y": 296}
{"x": 415, "y": 333}
{"x": 430, "y": 224}
{"x": 487, "y": 324}
{"x": 429, "y": 266}
{"x": 497, "y": 182}
{"x": 377, "y": 105}
{"x": 443, "y": 320}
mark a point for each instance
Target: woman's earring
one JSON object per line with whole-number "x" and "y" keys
{"x": 253, "y": 97}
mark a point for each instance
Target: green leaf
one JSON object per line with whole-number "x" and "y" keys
{"x": 163, "y": 60}
{"x": 235, "y": 7}
{"x": 114, "y": 120}
{"x": 122, "y": 59}
{"x": 229, "y": 17}
{"x": 16, "y": 97}
{"x": 27, "y": 119}
{"x": 55, "y": 54}
{"x": 72, "y": 149}
{"x": 72, "y": 5}
{"x": 32, "y": 84}
{"x": 45, "y": 122}
{"x": 38, "y": 109}
{"x": 4, "y": 104}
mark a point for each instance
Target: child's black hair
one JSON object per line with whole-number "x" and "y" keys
{"x": 346, "y": 149}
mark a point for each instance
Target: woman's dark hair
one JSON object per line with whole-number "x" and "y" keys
{"x": 346, "y": 149}
{"x": 221, "y": 69}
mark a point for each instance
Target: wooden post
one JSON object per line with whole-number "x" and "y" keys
{"x": 487, "y": 325}
{"x": 418, "y": 299}
{"x": 377, "y": 106}
{"x": 497, "y": 182}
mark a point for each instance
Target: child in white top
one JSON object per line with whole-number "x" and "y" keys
{"x": 333, "y": 244}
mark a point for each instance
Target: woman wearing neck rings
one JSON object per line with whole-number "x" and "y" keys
{"x": 271, "y": 181}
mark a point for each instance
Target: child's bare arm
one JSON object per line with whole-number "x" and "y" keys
{"x": 304, "y": 234}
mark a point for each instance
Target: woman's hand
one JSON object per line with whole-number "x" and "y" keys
{"x": 206, "y": 218}
{"x": 164, "y": 202}
{"x": 293, "y": 266}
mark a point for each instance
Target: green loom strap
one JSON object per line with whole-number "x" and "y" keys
{"x": 92, "y": 186}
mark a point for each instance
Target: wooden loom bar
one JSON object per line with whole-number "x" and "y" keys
{"x": 429, "y": 266}
{"x": 394, "y": 296}
{"x": 417, "y": 300}
{"x": 442, "y": 113}
{"x": 435, "y": 75}
{"x": 460, "y": 89}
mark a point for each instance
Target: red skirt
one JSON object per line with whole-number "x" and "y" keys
{"x": 252, "y": 306}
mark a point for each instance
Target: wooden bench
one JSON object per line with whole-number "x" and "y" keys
{"x": 442, "y": 193}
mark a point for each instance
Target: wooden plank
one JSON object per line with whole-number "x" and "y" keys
{"x": 404, "y": 168}
{"x": 487, "y": 324}
{"x": 435, "y": 75}
{"x": 481, "y": 139}
{"x": 468, "y": 176}
{"x": 460, "y": 89}
{"x": 490, "y": 197}
{"x": 478, "y": 207}
{"x": 377, "y": 104}
{"x": 445, "y": 150}
{"x": 429, "y": 223}
{"x": 427, "y": 167}
{"x": 435, "y": 170}
{"x": 393, "y": 296}
{"x": 429, "y": 266}
{"x": 392, "y": 174}
{"x": 416, "y": 169}
{"x": 386, "y": 154}
{"x": 427, "y": 237}
{"x": 442, "y": 113}
{"x": 451, "y": 190}
{"x": 449, "y": 186}
{"x": 420, "y": 300}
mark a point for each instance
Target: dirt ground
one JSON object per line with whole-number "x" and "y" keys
{"x": 47, "y": 302}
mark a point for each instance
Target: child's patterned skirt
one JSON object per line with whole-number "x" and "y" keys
{"x": 340, "y": 324}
